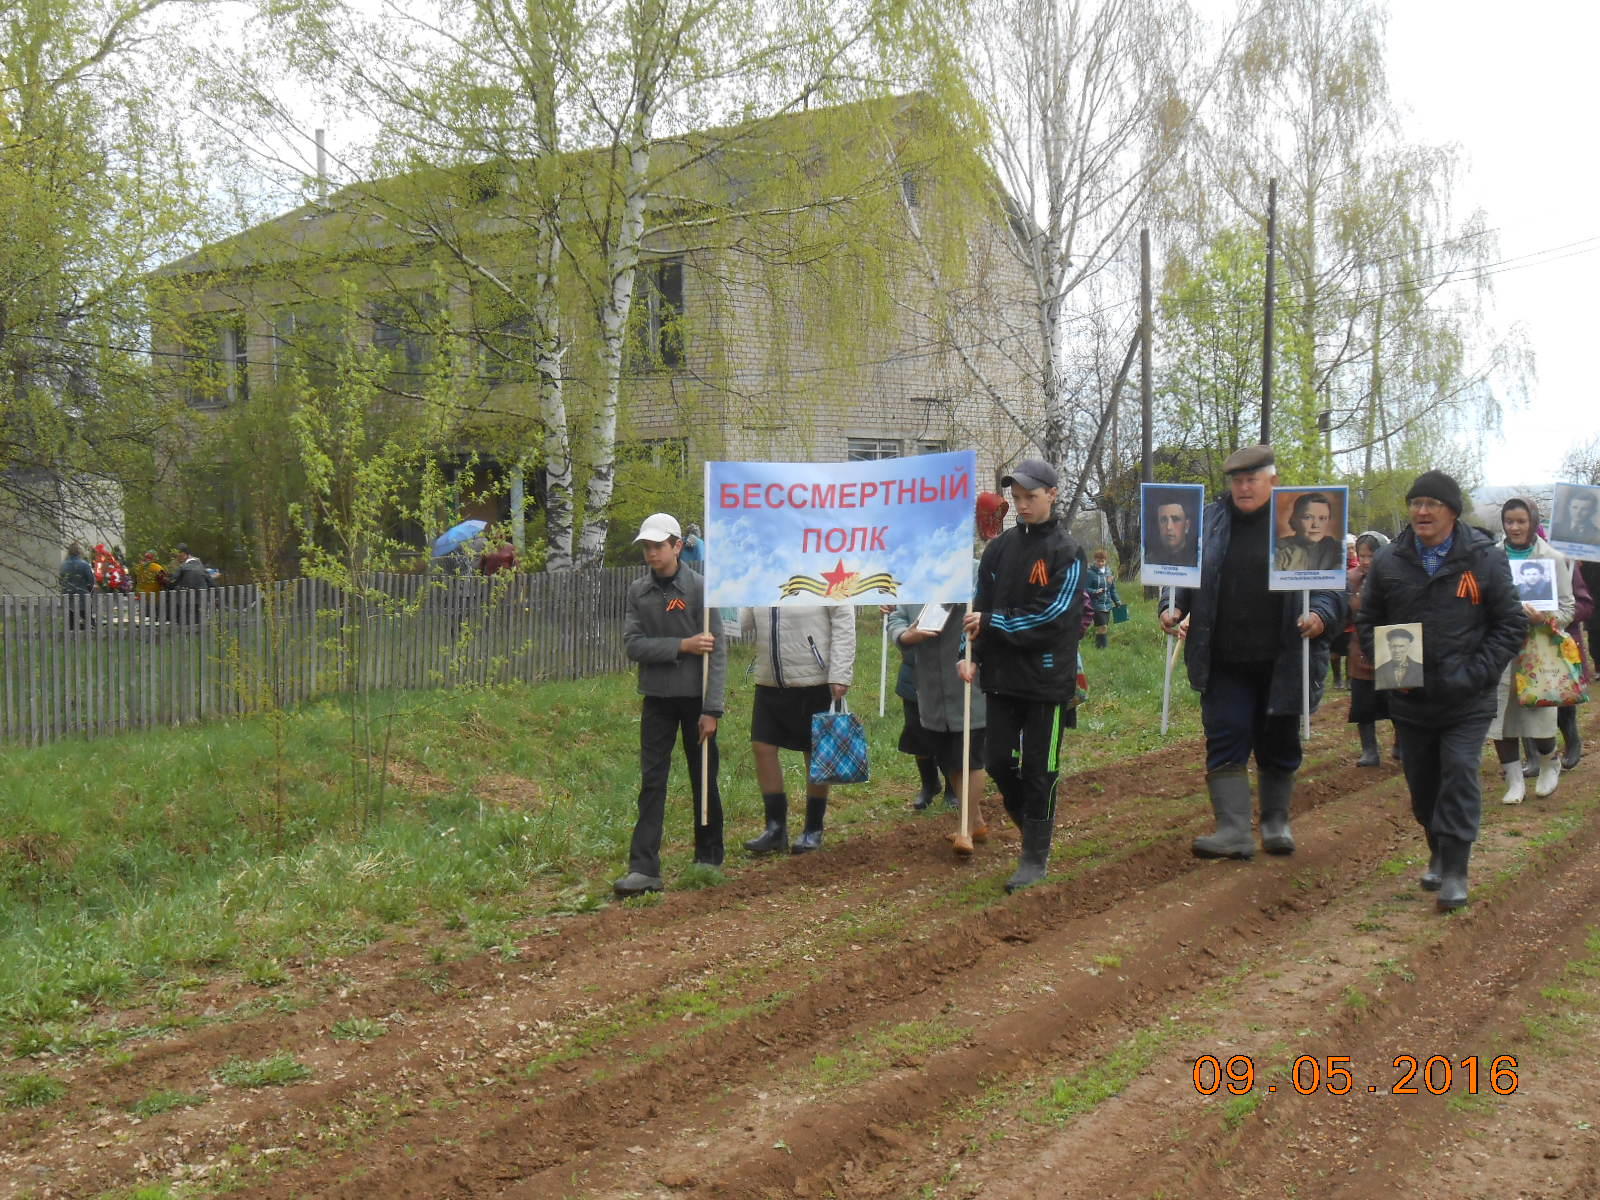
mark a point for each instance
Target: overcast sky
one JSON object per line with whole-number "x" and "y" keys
{"x": 1514, "y": 86}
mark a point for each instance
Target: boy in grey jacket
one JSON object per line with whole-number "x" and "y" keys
{"x": 664, "y": 632}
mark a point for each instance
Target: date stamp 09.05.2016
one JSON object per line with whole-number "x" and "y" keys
{"x": 1409, "y": 1076}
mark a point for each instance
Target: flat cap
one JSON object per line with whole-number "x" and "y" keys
{"x": 1248, "y": 458}
{"x": 1399, "y": 633}
{"x": 1031, "y": 473}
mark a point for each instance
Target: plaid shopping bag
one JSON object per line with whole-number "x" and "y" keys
{"x": 838, "y": 746}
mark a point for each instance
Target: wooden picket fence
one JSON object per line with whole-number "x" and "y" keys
{"x": 100, "y": 664}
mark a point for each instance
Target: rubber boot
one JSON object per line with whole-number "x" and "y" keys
{"x": 1549, "y": 774}
{"x": 1230, "y": 801}
{"x": 1338, "y": 674}
{"x": 811, "y": 838}
{"x": 1571, "y": 738}
{"x": 1454, "y": 854}
{"x": 777, "y": 835}
{"x": 930, "y": 784}
{"x": 1277, "y": 789}
{"x": 1034, "y": 860}
{"x": 1370, "y": 755}
{"x": 1516, "y": 786}
{"x": 1431, "y": 878}
{"x": 1100, "y": 641}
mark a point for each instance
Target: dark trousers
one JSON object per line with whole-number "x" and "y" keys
{"x": 1233, "y": 709}
{"x": 662, "y": 721}
{"x": 1441, "y": 768}
{"x": 1022, "y": 750}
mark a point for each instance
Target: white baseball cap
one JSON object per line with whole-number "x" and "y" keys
{"x": 658, "y": 527}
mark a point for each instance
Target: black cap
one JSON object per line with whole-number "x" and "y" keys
{"x": 1249, "y": 458}
{"x": 1398, "y": 632}
{"x": 1032, "y": 474}
{"x": 1436, "y": 485}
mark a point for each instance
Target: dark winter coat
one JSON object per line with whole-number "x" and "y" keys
{"x": 1030, "y": 598}
{"x": 1472, "y": 623}
{"x": 1201, "y": 605}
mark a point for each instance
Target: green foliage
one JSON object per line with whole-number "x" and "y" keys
{"x": 154, "y": 1103}
{"x": 32, "y": 1091}
{"x": 276, "y": 1070}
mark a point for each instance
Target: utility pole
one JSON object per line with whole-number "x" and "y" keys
{"x": 1146, "y": 383}
{"x": 1271, "y": 304}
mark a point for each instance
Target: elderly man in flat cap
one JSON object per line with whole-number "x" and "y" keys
{"x": 1242, "y": 649}
{"x": 1454, "y": 581}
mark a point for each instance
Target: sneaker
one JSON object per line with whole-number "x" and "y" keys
{"x": 635, "y": 884}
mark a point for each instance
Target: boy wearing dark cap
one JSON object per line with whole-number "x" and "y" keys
{"x": 1025, "y": 622}
{"x": 664, "y": 632}
{"x": 1454, "y": 581}
{"x": 1243, "y": 652}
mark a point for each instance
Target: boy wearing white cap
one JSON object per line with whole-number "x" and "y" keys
{"x": 664, "y": 632}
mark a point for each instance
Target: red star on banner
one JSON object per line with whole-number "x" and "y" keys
{"x": 837, "y": 577}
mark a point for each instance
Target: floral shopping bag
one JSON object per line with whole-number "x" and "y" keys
{"x": 1550, "y": 670}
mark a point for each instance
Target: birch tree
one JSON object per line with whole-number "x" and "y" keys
{"x": 1085, "y": 104}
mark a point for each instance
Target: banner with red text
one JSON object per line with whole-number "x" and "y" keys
{"x": 891, "y": 530}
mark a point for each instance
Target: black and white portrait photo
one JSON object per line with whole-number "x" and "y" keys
{"x": 1397, "y": 656}
{"x": 1536, "y": 582}
{"x": 1170, "y": 533}
{"x": 1575, "y": 521}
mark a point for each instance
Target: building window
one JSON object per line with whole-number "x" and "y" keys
{"x": 304, "y": 336}
{"x": 401, "y": 330}
{"x": 664, "y": 454}
{"x": 507, "y": 352}
{"x": 867, "y": 449}
{"x": 658, "y": 307}
{"x": 218, "y": 370}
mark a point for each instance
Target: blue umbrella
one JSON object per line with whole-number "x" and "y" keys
{"x": 457, "y": 535}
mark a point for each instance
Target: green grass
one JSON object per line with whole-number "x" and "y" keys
{"x": 277, "y": 1070}
{"x": 32, "y": 1091}
{"x": 135, "y": 868}
{"x": 165, "y": 1101}
{"x": 1080, "y": 1093}
{"x": 894, "y": 1046}
{"x": 359, "y": 1029}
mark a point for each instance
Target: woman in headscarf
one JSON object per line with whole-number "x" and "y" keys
{"x": 1519, "y": 518}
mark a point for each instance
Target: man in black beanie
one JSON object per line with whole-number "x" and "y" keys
{"x": 1454, "y": 581}
{"x": 1243, "y": 652}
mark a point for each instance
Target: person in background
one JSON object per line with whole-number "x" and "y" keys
{"x": 1519, "y": 518}
{"x": 1368, "y": 706}
{"x": 502, "y": 558}
{"x": 1101, "y": 584}
{"x": 189, "y": 573}
{"x": 76, "y": 580}
{"x": 915, "y": 739}
{"x": 1583, "y": 608}
{"x": 1455, "y": 582}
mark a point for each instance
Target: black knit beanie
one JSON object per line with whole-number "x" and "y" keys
{"x": 1436, "y": 485}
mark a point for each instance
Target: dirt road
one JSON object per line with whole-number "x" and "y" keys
{"x": 878, "y": 1020}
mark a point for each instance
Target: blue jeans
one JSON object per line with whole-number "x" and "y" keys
{"x": 1233, "y": 709}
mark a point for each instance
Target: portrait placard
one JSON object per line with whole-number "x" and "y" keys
{"x": 1575, "y": 521}
{"x": 1536, "y": 582}
{"x": 1397, "y": 656}
{"x": 1170, "y": 533}
{"x": 1308, "y": 538}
